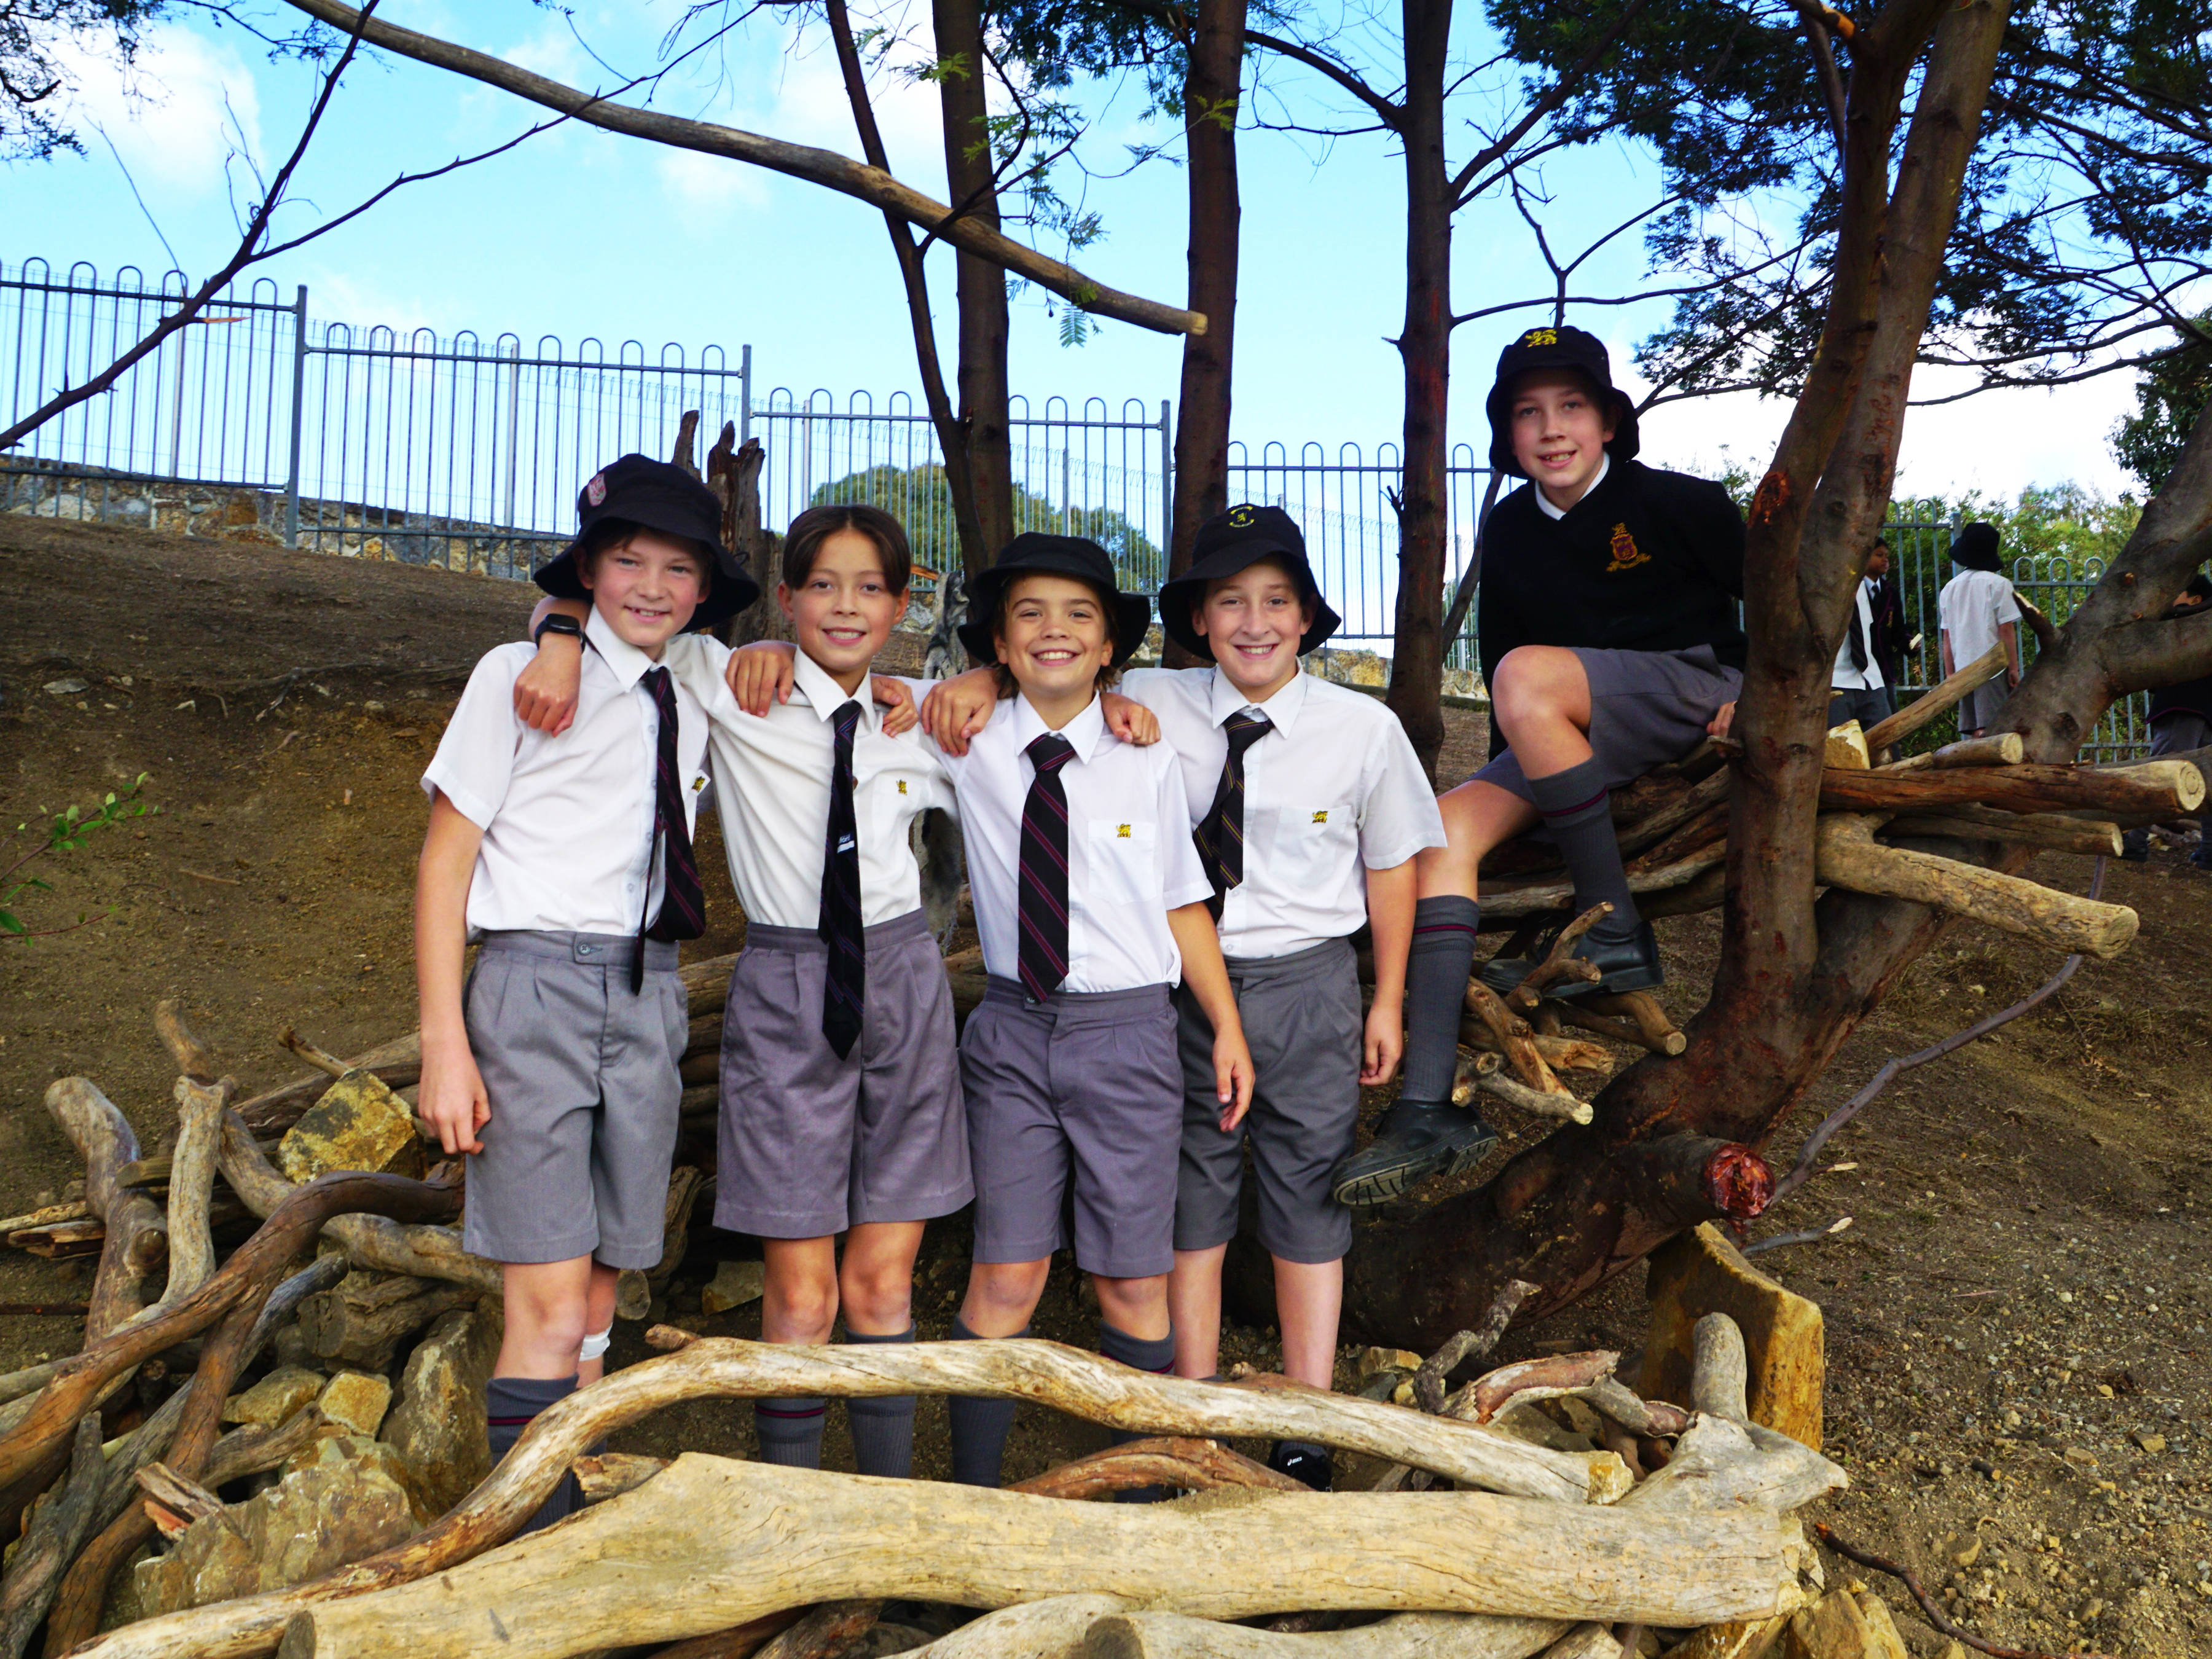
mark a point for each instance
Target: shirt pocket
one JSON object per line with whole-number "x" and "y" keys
{"x": 1123, "y": 864}
{"x": 1315, "y": 846}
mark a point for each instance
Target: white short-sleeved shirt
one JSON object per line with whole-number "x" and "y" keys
{"x": 1333, "y": 791}
{"x": 568, "y": 820}
{"x": 1845, "y": 677}
{"x": 772, "y": 787}
{"x": 1973, "y": 604}
{"x": 1130, "y": 856}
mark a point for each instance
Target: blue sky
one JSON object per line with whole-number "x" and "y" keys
{"x": 580, "y": 233}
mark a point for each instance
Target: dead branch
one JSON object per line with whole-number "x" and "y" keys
{"x": 1938, "y": 699}
{"x": 2051, "y": 831}
{"x": 1562, "y": 1105}
{"x": 1405, "y": 1636}
{"x": 1588, "y": 1019}
{"x": 2160, "y": 789}
{"x": 823, "y": 1632}
{"x": 1428, "y": 1381}
{"x": 137, "y": 1237}
{"x": 1999, "y": 749}
{"x": 259, "y": 1446}
{"x": 1641, "y": 1011}
{"x": 192, "y": 1057}
{"x": 1482, "y": 1400}
{"x": 56, "y": 1531}
{"x": 1688, "y": 1179}
{"x": 1509, "y": 1033}
{"x": 1168, "y": 1461}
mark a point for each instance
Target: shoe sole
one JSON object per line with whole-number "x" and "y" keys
{"x": 1624, "y": 979}
{"x": 1381, "y": 1186}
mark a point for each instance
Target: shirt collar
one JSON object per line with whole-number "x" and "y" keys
{"x": 1282, "y": 710}
{"x": 1085, "y": 732}
{"x": 1544, "y": 503}
{"x": 826, "y": 696}
{"x": 628, "y": 662}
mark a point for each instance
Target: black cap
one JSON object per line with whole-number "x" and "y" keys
{"x": 1228, "y": 543}
{"x": 1033, "y": 554}
{"x": 657, "y": 495}
{"x": 1975, "y": 547}
{"x": 1562, "y": 347}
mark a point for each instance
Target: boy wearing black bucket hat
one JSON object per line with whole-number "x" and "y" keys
{"x": 1975, "y": 611}
{"x": 568, "y": 858}
{"x": 1307, "y": 805}
{"x": 1090, "y": 905}
{"x": 1609, "y": 641}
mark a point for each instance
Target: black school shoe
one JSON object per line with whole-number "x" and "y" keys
{"x": 1417, "y": 1139}
{"x": 1307, "y": 1464}
{"x": 1631, "y": 963}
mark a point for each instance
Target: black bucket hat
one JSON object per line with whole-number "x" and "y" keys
{"x": 1975, "y": 547}
{"x": 1232, "y": 541}
{"x": 657, "y": 495}
{"x": 1563, "y": 347}
{"x": 1033, "y": 554}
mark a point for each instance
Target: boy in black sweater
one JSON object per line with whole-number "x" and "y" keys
{"x": 1609, "y": 641}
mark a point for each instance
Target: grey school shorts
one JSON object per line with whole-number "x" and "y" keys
{"x": 1081, "y": 1090}
{"x": 581, "y": 1078}
{"x": 1647, "y": 707}
{"x": 811, "y": 1144}
{"x": 1979, "y": 710}
{"x": 1302, "y": 1019}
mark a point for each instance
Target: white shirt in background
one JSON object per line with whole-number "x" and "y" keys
{"x": 1845, "y": 677}
{"x": 1333, "y": 791}
{"x": 1130, "y": 856}
{"x": 772, "y": 788}
{"x": 1971, "y": 608}
{"x": 568, "y": 820}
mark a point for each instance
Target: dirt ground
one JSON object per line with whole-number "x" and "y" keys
{"x": 2016, "y": 1334}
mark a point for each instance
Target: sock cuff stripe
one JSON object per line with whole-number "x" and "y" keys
{"x": 1420, "y": 928}
{"x": 1553, "y": 814}
{"x": 510, "y": 1422}
{"x": 760, "y": 1410}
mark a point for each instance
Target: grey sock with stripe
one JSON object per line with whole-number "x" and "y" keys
{"x": 1436, "y": 970}
{"x": 1577, "y": 810}
{"x": 979, "y": 1427}
{"x": 790, "y": 1431}
{"x": 882, "y": 1429}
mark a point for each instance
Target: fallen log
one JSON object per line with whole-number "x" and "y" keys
{"x": 137, "y": 1235}
{"x": 1847, "y": 855}
{"x": 752, "y": 1537}
{"x": 1998, "y": 749}
{"x": 58, "y": 1530}
{"x": 2161, "y": 788}
{"x": 1938, "y": 699}
{"x": 1688, "y": 1179}
{"x": 1620, "y": 1030}
{"x": 2054, "y": 832}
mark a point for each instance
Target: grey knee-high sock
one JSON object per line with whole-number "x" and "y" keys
{"x": 1577, "y": 810}
{"x": 510, "y": 1404}
{"x": 790, "y": 1431}
{"x": 1436, "y": 970}
{"x": 979, "y": 1427}
{"x": 1155, "y": 1355}
{"x": 882, "y": 1429}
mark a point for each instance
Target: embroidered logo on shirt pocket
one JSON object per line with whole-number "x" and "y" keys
{"x": 1123, "y": 864}
{"x": 1312, "y": 846}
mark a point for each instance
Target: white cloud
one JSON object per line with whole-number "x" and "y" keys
{"x": 175, "y": 114}
{"x": 711, "y": 183}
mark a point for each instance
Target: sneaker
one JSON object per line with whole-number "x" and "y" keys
{"x": 1308, "y": 1463}
{"x": 1419, "y": 1138}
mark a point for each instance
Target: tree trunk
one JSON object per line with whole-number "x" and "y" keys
{"x": 972, "y": 184}
{"x": 1796, "y": 976}
{"x": 1212, "y": 86}
{"x": 1424, "y": 349}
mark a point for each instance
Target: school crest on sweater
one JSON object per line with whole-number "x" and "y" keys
{"x": 1627, "y": 554}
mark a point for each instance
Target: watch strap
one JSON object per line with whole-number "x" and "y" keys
{"x": 557, "y": 623}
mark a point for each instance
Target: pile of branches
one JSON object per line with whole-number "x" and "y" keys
{"x": 1557, "y": 1507}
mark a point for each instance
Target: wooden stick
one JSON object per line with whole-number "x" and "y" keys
{"x": 257, "y": 1446}
{"x": 1513, "y": 903}
{"x": 1619, "y": 1030}
{"x": 192, "y": 1057}
{"x": 1164, "y": 1461}
{"x": 73, "y": 1209}
{"x": 1938, "y": 699}
{"x": 61, "y": 1240}
{"x": 321, "y": 1059}
{"x": 137, "y": 1236}
{"x": 1847, "y": 856}
{"x": 2000, "y": 749}
{"x": 1562, "y": 1105}
{"x": 824, "y": 1632}
{"x": 2161, "y": 788}
{"x": 1429, "y": 1381}
{"x": 1054, "y": 1628}
{"x": 200, "y": 1107}
{"x": 1966, "y": 822}
{"x": 1510, "y": 1033}
{"x": 1407, "y": 1636}
{"x": 739, "y": 1539}
{"x": 1491, "y": 1394}
{"x": 1560, "y": 962}
{"x": 1641, "y": 1011}
{"x": 741, "y": 1642}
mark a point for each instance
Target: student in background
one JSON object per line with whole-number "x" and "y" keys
{"x": 1975, "y": 611}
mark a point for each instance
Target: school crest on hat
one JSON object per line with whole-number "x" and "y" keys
{"x": 595, "y": 491}
{"x": 1226, "y": 544}
{"x": 1560, "y": 345}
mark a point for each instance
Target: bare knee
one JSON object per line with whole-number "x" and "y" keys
{"x": 878, "y": 1294}
{"x": 798, "y": 1305}
{"x": 1536, "y": 683}
{"x": 1001, "y": 1296}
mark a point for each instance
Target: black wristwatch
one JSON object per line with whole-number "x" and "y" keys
{"x": 558, "y": 622}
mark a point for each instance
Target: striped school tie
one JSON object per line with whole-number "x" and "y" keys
{"x": 845, "y": 985}
{"x": 1220, "y": 833}
{"x": 1042, "y": 907}
{"x": 683, "y": 905}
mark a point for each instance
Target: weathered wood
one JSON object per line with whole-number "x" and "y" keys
{"x": 1620, "y": 1030}
{"x": 1998, "y": 749}
{"x": 1051, "y": 1629}
{"x": 749, "y": 1537}
{"x": 1703, "y": 1273}
{"x": 1166, "y": 1461}
{"x": 1514, "y": 904}
{"x": 1562, "y": 1105}
{"x": 47, "y": 1215}
{"x": 1407, "y": 1636}
{"x": 58, "y": 1529}
{"x": 1938, "y": 699}
{"x": 1641, "y": 1011}
{"x": 603, "y": 1475}
{"x": 2161, "y": 788}
{"x": 200, "y": 1107}
{"x": 1561, "y": 1054}
{"x": 741, "y": 1642}
{"x": 1560, "y": 962}
{"x": 259, "y": 1446}
{"x": 2049, "y": 830}
{"x": 1511, "y": 1035}
{"x": 1483, "y": 1400}
{"x": 824, "y": 1632}
{"x": 137, "y": 1235}
{"x": 1849, "y": 857}
{"x": 61, "y": 1240}
{"x": 179, "y": 1495}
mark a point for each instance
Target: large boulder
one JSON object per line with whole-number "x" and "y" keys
{"x": 339, "y": 1501}
{"x": 438, "y": 1426}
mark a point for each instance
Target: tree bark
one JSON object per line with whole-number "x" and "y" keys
{"x": 1212, "y": 101}
{"x": 971, "y": 180}
{"x": 1425, "y": 352}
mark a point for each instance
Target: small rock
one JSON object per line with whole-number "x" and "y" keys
{"x": 64, "y": 688}
{"x": 356, "y": 1401}
{"x": 2149, "y": 1442}
{"x": 358, "y": 1124}
{"x": 274, "y": 1398}
{"x": 1969, "y": 1555}
{"x": 1373, "y": 1360}
{"x": 735, "y": 1283}
{"x": 438, "y": 1426}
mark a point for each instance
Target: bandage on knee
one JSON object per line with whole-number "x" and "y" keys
{"x": 596, "y": 1345}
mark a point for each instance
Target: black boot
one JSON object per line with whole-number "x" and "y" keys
{"x": 1301, "y": 1460}
{"x": 1419, "y": 1138}
{"x": 1629, "y": 964}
